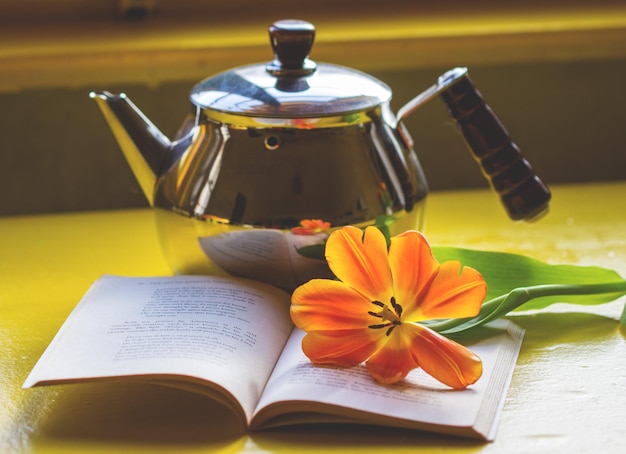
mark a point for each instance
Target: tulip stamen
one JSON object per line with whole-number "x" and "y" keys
{"x": 391, "y": 316}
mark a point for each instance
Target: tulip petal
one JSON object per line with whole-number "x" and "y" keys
{"x": 453, "y": 293}
{"x": 360, "y": 260}
{"x": 393, "y": 361}
{"x": 413, "y": 268}
{"x": 324, "y": 304}
{"x": 342, "y": 348}
{"x": 449, "y": 362}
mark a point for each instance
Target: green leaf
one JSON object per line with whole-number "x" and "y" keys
{"x": 314, "y": 251}
{"x": 505, "y": 272}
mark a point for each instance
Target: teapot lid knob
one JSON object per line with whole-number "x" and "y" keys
{"x": 291, "y": 41}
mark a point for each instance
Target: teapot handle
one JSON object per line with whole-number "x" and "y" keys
{"x": 523, "y": 194}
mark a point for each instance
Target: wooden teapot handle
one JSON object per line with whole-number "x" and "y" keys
{"x": 523, "y": 194}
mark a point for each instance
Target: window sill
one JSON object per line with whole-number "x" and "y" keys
{"x": 165, "y": 49}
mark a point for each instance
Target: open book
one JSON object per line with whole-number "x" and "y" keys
{"x": 232, "y": 339}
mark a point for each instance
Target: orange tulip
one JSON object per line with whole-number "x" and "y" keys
{"x": 373, "y": 312}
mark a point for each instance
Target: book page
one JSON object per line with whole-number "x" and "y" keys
{"x": 226, "y": 331}
{"x": 418, "y": 399}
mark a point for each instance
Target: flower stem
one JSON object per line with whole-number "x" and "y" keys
{"x": 501, "y": 305}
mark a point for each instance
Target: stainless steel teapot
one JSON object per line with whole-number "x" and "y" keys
{"x": 270, "y": 145}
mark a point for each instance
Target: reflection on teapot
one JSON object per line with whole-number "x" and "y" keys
{"x": 266, "y": 255}
{"x": 268, "y": 145}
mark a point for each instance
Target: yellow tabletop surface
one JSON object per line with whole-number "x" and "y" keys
{"x": 568, "y": 392}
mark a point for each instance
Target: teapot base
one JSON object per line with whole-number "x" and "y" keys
{"x": 203, "y": 246}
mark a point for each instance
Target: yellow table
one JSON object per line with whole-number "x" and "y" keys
{"x": 568, "y": 392}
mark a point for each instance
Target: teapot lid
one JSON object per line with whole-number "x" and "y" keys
{"x": 289, "y": 87}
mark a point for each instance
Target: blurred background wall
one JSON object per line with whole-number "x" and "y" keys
{"x": 560, "y": 92}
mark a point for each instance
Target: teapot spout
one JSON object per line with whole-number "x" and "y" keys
{"x": 145, "y": 147}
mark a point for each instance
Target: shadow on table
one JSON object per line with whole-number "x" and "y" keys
{"x": 136, "y": 413}
{"x": 329, "y": 437}
{"x": 546, "y": 328}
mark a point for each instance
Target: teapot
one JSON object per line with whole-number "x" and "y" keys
{"x": 271, "y": 148}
